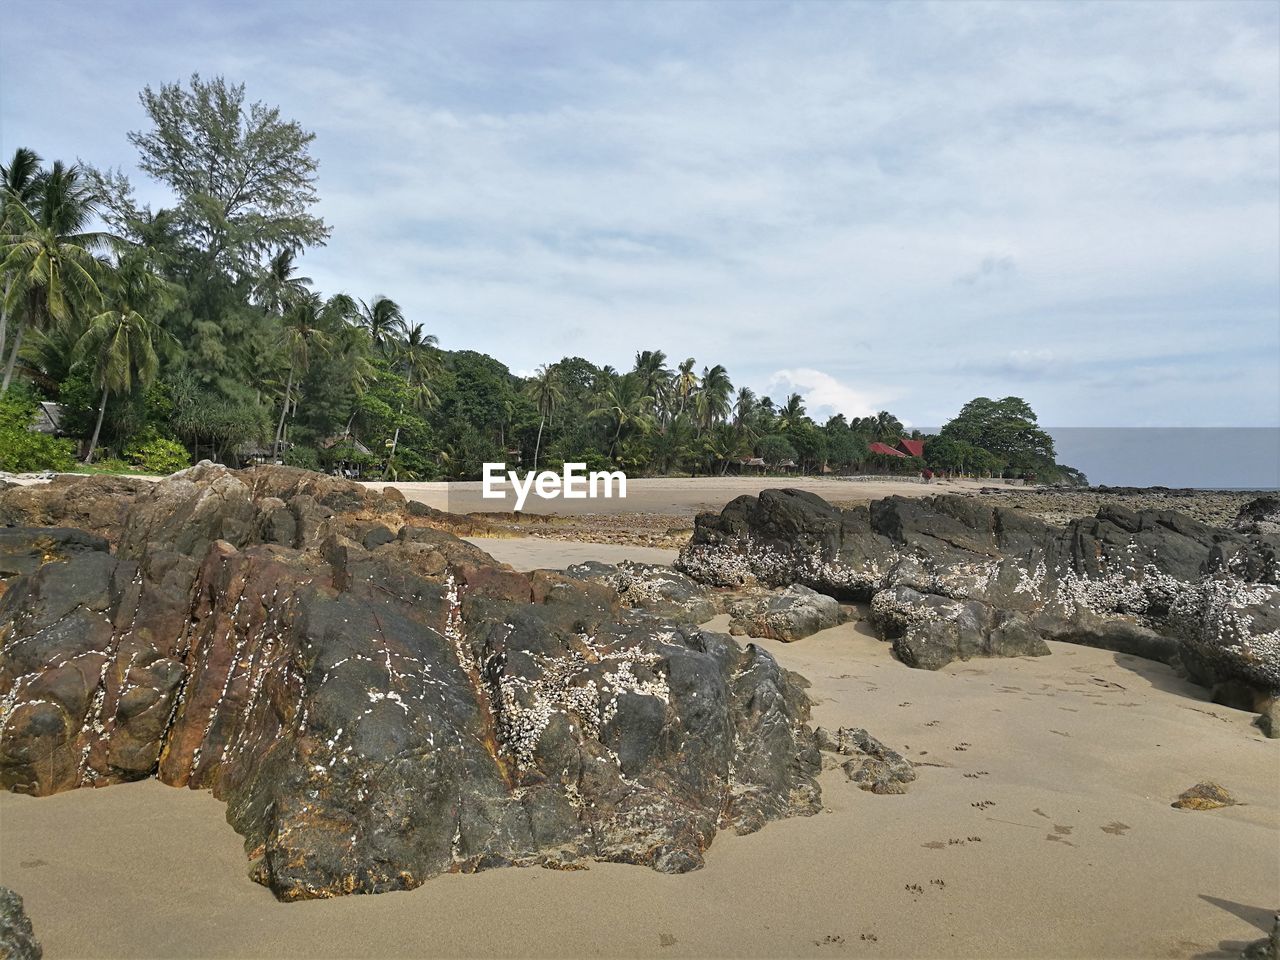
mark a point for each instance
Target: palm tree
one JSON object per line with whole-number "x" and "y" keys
{"x": 888, "y": 428}
{"x": 46, "y": 254}
{"x": 545, "y": 390}
{"x": 18, "y": 182}
{"x": 419, "y": 358}
{"x": 385, "y": 322}
{"x": 301, "y": 333}
{"x": 791, "y": 412}
{"x": 626, "y": 405}
{"x": 686, "y": 382}
{"x": 743, "y": 407}
{"x": 713, "y": 396}
{"x": 120, "y": 340}
{"x": 279, "y": 288}
{"x": 651, "y": 369}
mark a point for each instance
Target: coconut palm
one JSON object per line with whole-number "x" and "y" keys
{"x": 651, "y": 369}
{"x": 46, "y": 254}
{"x": 419, "y": 359}
{"x": 18, "y": 182}
{"x": 385, "y": 322}
{"x": 546, "y": 391}
{"x": 712, "y": 400}
{"x": 302, "y": 333}
{"x": 744, "y": 406}
{"x": 279, "y": 287}
{"x": 791, "y": 413}
{"x": 626, "y": 406}
{"x": 120, "y": 341}
{"x": 686, "y": 382}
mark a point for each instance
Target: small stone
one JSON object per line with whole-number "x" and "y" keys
{"x": 1206, "y": 795}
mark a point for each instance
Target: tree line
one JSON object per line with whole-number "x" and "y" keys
{"x": 187, "y": 332}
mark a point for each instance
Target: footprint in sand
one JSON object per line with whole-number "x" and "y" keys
{"x": 1040, "y": 813}
{"x": 1116, "y": 828}
{"x": 28, "y": 864}
{"x": 1062, "y": 831}
{"x": 1060, "y": 733}
{"x": 666, "y": 940}
{"x": 1057, "y": 838}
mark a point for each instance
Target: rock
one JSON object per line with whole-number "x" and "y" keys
{"x": 954, "y": 577}
{"x": 1205, "y": 795}
{"x": 659, "y": 590}
{"x": 1259, "y": 516}
{"x": 1268, "y": 720}
{"x": 1268, "y": 948}
{"x": 17, "y": 940}
{"x": 788, "y": 615}
{"x": 376, "y": 710}
{"x": 873, "y": 766}
{"x": 930, "y": 631}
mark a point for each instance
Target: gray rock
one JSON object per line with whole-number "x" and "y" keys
{"x": 659, "y": 590}
{"x": 791, "y": 614}
{"x": 955, "y": 577}
{"x": 1268, "y": 948}
{"x": 872, "y": 766}
{"x": 375, "y": 710}
{"x": 17, "y": 939}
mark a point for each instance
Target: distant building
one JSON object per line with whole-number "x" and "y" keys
{"x": 48, "y": 418}
{"x": 912, "y": 448}
{"x": 885, "y": 450}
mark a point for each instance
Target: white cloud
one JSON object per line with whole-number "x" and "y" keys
{"x": 944, "y": 197}
{"x": 824, "y": 395}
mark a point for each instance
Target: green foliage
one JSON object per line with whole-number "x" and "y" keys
{"x": 158, "y": 455}
{"x": 23, "y": 450}
{"x": 244, "y": 178}
{"x": 776, "y": 449}
{"x": 307, "y": 458}
{"x": 192, "y": 329}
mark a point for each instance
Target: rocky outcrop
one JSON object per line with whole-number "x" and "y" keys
{"x": 659, "y": 590}
{"x": 1259, "y": 516}
{"x": 953, "y": 577}
{"x": 375, "y": 700}
{"x": 17, "y": 939}
{"x": 872, "y": 766}
{"x": 1267, "y": 948}
{"x": 788, "y": 615}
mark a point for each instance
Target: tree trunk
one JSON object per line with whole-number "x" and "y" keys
{"x": 97, "y": 429}
{"x": 284, "y": 409}
{"x": 13, "y": 358}
{"x": 537, "y": 447}
{"x": 395, "y": 441}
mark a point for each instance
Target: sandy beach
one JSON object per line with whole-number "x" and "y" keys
{"x": 676, "y": 496}
{"x": 1040, "y": 825}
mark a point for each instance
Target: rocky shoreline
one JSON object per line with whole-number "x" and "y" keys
{"x": 957, "y": 577}
{"x": 376, "y": 700}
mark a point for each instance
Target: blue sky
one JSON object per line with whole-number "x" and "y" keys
{"x": 897, "y": 206}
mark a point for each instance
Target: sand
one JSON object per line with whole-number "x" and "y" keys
{"x": 675, "y": 496}
{"x": 1040, "y": 825}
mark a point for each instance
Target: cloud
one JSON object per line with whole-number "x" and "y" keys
{"x": 824, "y": 395}
{"x": 835, "y": 187}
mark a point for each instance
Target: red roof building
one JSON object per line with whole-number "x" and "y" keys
{"x": 912, "y": 448}
{"x": 885, "y": 449}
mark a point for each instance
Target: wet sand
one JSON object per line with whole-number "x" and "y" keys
{"x": 1040, "y": 826}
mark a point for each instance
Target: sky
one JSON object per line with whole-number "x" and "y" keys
{"x": 895, "y": 206}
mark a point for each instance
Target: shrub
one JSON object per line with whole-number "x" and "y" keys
{"x": 156, "y": 454}
{"x": 308, "y": 458}
{"x": 23, "y": 450}
{"x": 775, "y": 449}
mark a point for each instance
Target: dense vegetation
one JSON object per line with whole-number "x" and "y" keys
{"x": 186, "y": 332}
